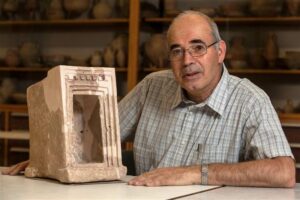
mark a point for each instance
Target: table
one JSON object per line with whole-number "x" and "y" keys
{"x": 20, "y": 187}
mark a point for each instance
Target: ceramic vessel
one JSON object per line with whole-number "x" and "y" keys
{"x": 265, "y": 7}
{"x": 30, "y": 54}
{"x": 271, "y": 50}
{"x": 102, "y": 10}
{"x": 156, "y": 50}
{"x": 122, "y": 8}
{"x": 109, "y": 57}
{"x": 55, "y": 10}
{"x": 10, "y": 7}
{"x": 170, "y": 8}
{"x": 12, "y": 58}
{"x": 7, "y": 88}
{"x": 76, "y": 6}
{"x": 292, "y": 7}
{"x": 293, "y": 59}
{"x": 96, "y": 59}
{"x": 238, "y": 54}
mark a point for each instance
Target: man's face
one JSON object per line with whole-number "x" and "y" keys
{"x": 197, "y": 75}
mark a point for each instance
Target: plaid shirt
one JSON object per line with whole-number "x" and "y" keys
{"x": 236, "y": 123}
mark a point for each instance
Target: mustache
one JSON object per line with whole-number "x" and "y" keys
{"x": 191, "y": 69}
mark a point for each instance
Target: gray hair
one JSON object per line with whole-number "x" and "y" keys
{"x": 215, "y": 31}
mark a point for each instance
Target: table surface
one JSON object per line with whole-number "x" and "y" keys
{"x": 20, "y": 187}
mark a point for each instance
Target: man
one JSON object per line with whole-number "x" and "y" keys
{"x": 200, "y": 125}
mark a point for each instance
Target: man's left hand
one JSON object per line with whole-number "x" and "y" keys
{"x": 168, "y": 176}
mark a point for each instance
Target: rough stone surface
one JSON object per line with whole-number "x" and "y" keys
{"x": 74, "y": 126}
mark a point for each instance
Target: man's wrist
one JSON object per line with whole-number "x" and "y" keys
{"x": 204, "y": 174}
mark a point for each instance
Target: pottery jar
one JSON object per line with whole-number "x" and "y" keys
{"x": 55, "y": 10}
{"x": 156, "y": 50}
{"x": 271, "y": 50}
{"x": 96, "y": 59}
{"x": 293, "y": 7}
{"x": 102, "y": 10}
{"x": 109, "y": 57}
{"x": 76, "y": 6}
{"x": 30, "y": 54}
{"x": 12, "y": 58}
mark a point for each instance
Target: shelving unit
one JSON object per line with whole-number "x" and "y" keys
{"x": 131, "y": 23}
{"x": 129, "y": 72}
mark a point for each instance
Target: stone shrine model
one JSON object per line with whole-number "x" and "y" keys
{"x": 74, "y": 126}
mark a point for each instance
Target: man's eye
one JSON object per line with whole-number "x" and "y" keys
{"x": 176, "y": 52}
{"x": 198, "y": 48}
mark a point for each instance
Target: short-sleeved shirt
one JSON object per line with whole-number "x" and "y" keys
{"x": 236, "y": 123}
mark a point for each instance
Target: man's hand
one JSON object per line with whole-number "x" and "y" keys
{"x": 169, "y": 176}
{"x": 15, "y": 169}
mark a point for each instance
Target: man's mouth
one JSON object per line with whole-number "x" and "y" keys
{"x": 191, "y": 75}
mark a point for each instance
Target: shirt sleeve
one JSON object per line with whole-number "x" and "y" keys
{"x": 264, "y": 135}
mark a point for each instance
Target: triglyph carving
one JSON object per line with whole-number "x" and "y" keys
{"x": 74, "y": 126}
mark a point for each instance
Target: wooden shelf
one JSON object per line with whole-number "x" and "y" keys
{"x": 291, "y": 118}
{"x": 22, "y": 108}
{"x": 65, "y": 22}
{"x": 281, "y": 20}
{"x": 43, "y": 69}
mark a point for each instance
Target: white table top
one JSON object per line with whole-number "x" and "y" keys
{"x": 20, "y": 187}
{"x": 249, "y": 193}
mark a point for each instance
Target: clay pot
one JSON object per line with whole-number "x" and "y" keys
{"x": 238, "y": 54}
{"x": 289, "y": 106}
{"x": 265, "y": 7}
{"x": 10, "y": 6}
{"x": 156, "y": 50}
{"x": 55, "y": 10}
{"x": 271, "y": 50}
{"x": 76, "y": 6}
{"x": 30, "y": 54}
{"x": 109, "y": 57}
{"x": 12, "y": 58}
{"x": 122, "y": 8}
{"x": 7, "y": 88}
{"x": 102, "y": 10}
{"x": 292, "y": 7}
{"x": 170, "y": 8}
{"x": 96, "y": 59}
{"x": 121, "y": 58}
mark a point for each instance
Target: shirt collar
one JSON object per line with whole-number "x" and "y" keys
{"x": 216, "y": 101}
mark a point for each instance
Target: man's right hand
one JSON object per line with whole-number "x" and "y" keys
{"x": 15, "y": 169}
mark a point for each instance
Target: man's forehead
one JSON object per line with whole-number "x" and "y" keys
{"x": 187, "y": 30}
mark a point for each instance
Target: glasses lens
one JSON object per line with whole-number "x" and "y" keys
{"x": 176, "y": 53}
{"x": 198, "y": 49}
{"x": 195, "y": 50}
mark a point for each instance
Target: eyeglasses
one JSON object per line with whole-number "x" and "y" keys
{"x": 195, "y": 50}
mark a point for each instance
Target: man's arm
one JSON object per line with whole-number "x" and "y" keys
{"x": 276, "y": 172}
{"x": 15, "y": 169}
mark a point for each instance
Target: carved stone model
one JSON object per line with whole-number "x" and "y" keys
{"x": 74, "y": 126}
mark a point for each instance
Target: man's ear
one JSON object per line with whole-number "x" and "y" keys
{"x": 221, "y": 51}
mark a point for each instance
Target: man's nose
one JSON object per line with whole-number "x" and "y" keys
{"x": 187, "y": 57}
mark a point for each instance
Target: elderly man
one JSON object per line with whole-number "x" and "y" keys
{"x": 200, "y": 125}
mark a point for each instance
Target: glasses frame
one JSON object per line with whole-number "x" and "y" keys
{"x": 189, "y": 51}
